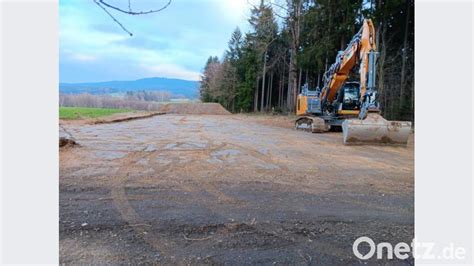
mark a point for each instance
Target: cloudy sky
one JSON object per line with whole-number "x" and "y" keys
{"x": 174, "y": 43}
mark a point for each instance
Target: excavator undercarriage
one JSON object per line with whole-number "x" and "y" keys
{"x": 312, "y": 123}
{"x": 372, "y": 130}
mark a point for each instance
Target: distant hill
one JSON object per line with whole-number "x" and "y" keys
{"x": 186, "y": 88}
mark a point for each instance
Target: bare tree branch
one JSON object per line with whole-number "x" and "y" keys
{"x": 287, "y": 11}
{"x": 279, "y": 5}
{"x": 252, "y": 5}
{"x": 116, "y": 21}
{"x": 104, "y": 5}
{"x": 130, "y": 12}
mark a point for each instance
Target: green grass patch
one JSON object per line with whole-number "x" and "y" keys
{"x": 86, "y": 112}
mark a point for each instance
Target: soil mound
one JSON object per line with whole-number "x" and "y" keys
{"x": 66, "y": 142}
{"x": 194, "y": 108}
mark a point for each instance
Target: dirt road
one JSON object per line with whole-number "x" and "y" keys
{"x": 225, "y": 189}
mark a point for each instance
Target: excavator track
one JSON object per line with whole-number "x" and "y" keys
{"x": 313, "y": 124}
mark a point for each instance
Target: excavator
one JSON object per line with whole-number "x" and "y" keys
{"x": 351, "y": 105}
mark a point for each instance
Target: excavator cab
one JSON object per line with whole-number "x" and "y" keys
{"x": 347, "y": 102}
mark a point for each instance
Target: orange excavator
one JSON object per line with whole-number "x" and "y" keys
{"x": 350, "y": 105}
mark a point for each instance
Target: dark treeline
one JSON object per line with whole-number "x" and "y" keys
{"x": 262, "y": 70}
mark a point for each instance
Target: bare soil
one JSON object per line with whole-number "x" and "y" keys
{"x": 125, "y": 117}
{"x": 194, "y": 108}
{"x": 227, "y": 189}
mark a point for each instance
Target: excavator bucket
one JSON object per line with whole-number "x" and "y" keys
{"x": 375, "y": 130}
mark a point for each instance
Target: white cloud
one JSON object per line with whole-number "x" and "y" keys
{"x": 235, "y": 10}
{"x": 83, "y": 57}
{"x": 171, "y": 71}
{"x": 75, "y": 56}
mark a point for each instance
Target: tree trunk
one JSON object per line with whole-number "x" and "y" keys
{"x": 404, "y": 59}
{"x": 319, "y": 78}
{"x": 299, "y": 81}
{"x": 233, "y": 96}
{"x": 282, "y": 84}
{"x": 270, "y": 91}
{"x": 255, "y": 101}
{"x": 295, "y": 28}
{"x": 382, "y": 48}
{"x": 306, "y": 81}
{"x": 279, "y": 90}
{"x": 263, "y": 81}
{"x": 326, "y": 63}
{"x": 291, "y": 84}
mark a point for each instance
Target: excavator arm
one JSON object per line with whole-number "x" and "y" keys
{"x": 360, "y": 51}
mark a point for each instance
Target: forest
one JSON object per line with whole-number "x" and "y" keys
{"x": 294, "y": 42}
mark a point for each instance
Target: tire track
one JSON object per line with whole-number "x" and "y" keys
{"x": 128, "y": 213}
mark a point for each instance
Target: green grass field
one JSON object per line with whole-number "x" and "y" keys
{"x": 86, "y": 112}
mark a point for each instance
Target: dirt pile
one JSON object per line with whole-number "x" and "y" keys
{"x": 65, "y": 138}
{"x": 194, "y": 108}
{"x": 66, "y": 142}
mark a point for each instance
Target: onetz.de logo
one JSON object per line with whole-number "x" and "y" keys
{"x": 402, "y": 250}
